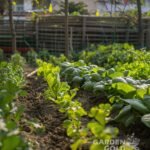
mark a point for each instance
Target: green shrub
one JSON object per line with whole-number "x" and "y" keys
{"x": 31, "y": 57}
{"x": 44, "y": 55}
{"x": 17, "y": 59}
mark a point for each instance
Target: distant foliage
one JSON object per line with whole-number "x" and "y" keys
{"x": 17, "y": 59}
{"x": 109, "y": 56}
{"x": 31, "y": 57}
{"x": 2, "y": 6}
{"x": 75, "y": 8}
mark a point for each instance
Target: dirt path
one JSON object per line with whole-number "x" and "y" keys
{"x": 37, "y": 109}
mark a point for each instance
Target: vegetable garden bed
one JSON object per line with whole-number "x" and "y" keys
{"x": 90, "y": 103}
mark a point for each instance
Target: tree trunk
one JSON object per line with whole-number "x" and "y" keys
{"x": 66, "y": 29}
{"x": 140, "y": 26}
{"x": 12, "y": 25}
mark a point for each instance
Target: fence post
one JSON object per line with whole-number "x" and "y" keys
{"x": 84, "y": 32}
{"x": 71, "y": 39}
{"x": 127, "y": 36}
{"x": 148, "y": 34}
{"x": 37, "y": 33}
{"x": 66, "y": 29}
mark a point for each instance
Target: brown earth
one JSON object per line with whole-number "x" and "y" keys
{"x": 52, "y": 135}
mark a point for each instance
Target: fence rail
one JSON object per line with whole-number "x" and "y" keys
{"x": 49, "y": 32}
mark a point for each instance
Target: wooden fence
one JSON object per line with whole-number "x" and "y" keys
{"x": 25, "y": 31}
{"x": 49, "y": 32}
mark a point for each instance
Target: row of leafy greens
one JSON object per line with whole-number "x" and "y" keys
{"x": 82, "y": 134}
{"x": 11, "y": 83}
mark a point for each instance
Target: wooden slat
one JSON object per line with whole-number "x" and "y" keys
{"x": 51, "y": 32}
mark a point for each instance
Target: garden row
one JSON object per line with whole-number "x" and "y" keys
{"x": 11, "y": 84}
{"x": 118, "y": 73}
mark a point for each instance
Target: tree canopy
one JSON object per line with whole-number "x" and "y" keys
{"x": 79, "y": 7}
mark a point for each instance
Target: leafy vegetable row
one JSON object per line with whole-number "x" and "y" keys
{"x": 83, "y": 133}
{"x": 12, "y": 80}
{"x": 109, "y": 56}
{"x": 117, "y": 87}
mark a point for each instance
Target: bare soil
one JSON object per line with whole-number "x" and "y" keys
{"x": 44, "y": 113}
